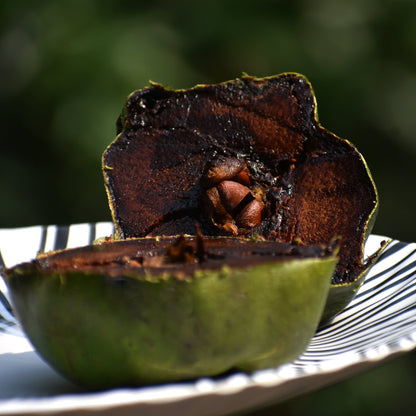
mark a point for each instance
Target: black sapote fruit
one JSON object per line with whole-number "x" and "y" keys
{"x": 240, "y": 225}
{"x": 157, "y": 309}
{"x": 244, "y": 157}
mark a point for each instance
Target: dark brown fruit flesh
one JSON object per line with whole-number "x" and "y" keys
{"x": 177, "y": 256}
{"x": 175, "y": 148}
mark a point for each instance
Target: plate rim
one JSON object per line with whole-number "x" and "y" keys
{"x": 235, "y": 384}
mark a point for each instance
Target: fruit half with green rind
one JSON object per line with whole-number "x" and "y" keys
{"x": 244, "y": 157}
{"x": 341, "y": 294}
{"x": 155, "y": 310}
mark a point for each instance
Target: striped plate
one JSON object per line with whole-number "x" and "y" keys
{"x": 379, "y": 323}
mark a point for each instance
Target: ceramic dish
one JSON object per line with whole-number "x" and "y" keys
{"x": 378, "y": 324}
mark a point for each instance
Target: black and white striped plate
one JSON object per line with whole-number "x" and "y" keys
{"x": 379, "y": 323}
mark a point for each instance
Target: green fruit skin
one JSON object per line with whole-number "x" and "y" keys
{"x": 106, "y": 332}
{"x": 340, "y": 296}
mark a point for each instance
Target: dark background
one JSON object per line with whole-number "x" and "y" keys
{"x": 66, "y": 68}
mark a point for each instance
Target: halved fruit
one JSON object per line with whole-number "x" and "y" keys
{"x": 245, "y": 157}
{"x": 287, "y": 207}
{"x": 154, "y": 310}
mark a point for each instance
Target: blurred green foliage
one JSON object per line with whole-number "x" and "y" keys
{"x": 67, "y": 66}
